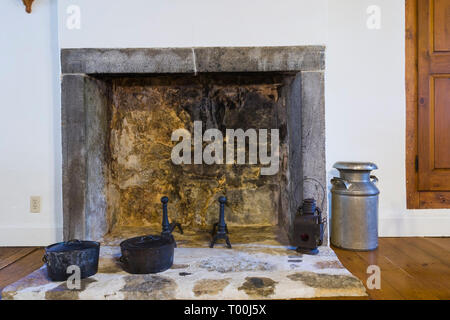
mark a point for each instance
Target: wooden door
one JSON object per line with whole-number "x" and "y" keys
{"x": 433, "y": 160}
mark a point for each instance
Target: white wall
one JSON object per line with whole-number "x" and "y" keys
{"x": 181, "y": 23}
{"x": 365, "y": 102}
{"x": 30, "y": 161}
{"x": 365, "y": 108}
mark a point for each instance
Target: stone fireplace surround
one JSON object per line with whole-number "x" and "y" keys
{"x": 84, "y": 117}
{"x": 259, "y": 266}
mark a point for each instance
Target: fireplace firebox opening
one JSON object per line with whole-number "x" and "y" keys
{"x": 119, "y": 116}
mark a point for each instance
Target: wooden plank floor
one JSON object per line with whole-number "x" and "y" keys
{"x": 411, "y": 268}
{"x": 16, "y": 263}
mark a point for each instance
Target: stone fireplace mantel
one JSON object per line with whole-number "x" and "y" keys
{"x": 193, "y": 60}
{"x": 84, "y": 116}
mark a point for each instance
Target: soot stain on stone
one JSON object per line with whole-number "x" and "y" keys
{"x": 325, "y": 281}
{"x": 143, "y": 114}
{"x": 62, "y": 292}
{"x": 258, "y": 286}
{"x": 210, "y": 286}
{"x": 138, "y": 287}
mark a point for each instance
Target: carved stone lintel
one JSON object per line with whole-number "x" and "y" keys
{"x": 28, "y": 4}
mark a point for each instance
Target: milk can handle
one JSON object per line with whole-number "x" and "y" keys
{"x": 374, "y": 179}
{"x": 343, "y": 181}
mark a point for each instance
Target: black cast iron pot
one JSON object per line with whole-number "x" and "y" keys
{"x": 147, "y": 254}
{"x": 59, "y": 256}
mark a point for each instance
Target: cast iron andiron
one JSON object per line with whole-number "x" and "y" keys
{"x": 221, "y": 226}
{"x": 167, "y": 227}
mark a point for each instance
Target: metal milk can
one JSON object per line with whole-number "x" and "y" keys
{"x": 354, "y": 207}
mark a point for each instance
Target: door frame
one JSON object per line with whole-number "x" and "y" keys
{"x": 415, "y": 199}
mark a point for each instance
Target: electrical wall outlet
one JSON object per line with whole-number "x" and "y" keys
{"x": 35, "y": 204}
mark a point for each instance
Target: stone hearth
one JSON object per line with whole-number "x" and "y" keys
{"x": 244, "y": 272}
{"x": 119, "y": 107}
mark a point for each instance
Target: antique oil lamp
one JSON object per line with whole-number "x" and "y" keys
{"x": 308, "y": 228}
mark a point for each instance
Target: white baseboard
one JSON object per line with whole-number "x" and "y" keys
{"x": 23, "y": 237}
{"x": 414, "y": 227}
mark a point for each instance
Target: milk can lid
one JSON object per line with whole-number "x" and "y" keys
{"x": 355, "y": 166}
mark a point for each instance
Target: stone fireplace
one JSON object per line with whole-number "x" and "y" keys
{"x": 121, "y": 106}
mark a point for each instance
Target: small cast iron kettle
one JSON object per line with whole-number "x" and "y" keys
{"x": 59, "y": 256}
{"x": 150, "y": 253}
